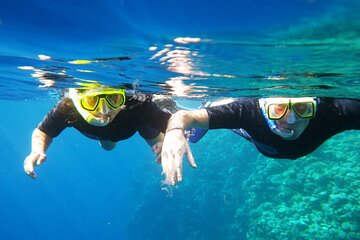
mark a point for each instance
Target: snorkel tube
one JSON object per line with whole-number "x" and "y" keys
{"x": 285, "y": 133}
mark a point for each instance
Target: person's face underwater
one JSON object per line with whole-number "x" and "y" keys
{"x": 104, "y": 112}
{"x": 292, "y": 116}
{"x": 290, "y": 122}
{"x": 103, "y": 106}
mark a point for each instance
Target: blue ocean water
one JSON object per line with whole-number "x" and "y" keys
{"x": 194, "y": 50}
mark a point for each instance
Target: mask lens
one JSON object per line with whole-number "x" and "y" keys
{"x": 277, "y": 111}
{"x": 304, "y": 110}
{"x": 90, "y": 102}
{"x": 115, "y": 100}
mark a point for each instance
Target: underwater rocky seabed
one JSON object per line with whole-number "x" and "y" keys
{"x": 238, "y": 194}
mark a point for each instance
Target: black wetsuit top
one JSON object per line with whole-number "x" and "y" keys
{"x": 333, "y": 116}
{"x": 143, "y": 117}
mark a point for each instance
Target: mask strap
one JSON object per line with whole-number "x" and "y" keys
{"x": 272, "y": 124}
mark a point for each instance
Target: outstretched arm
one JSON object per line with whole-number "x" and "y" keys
{"x": 40, "y": 141}
{"x": 175, "y": 143}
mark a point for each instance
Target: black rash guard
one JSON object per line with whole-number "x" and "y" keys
{"x": 143, "y": 117}
{"x": 333, "y": 116}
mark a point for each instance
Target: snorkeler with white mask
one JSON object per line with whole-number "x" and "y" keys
{"x": 105, "y": 114}
{"x": 286, "y": 128}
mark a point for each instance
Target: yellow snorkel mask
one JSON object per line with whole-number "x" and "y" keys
{"x": 276, "y": 108}
{"x": 98, "y": 106}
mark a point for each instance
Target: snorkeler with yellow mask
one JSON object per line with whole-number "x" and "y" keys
{"x": 105, "y": 114}
{"x": 282, "y": 127}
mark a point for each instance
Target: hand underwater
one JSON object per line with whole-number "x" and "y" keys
{"x": 174, "y": 148}
{"x": 30, "y": 161}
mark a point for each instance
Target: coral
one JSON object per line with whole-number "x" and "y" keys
{"x": 316, "y": 197}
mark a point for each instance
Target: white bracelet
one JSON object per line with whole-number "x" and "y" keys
{"x": 174, "y": 124}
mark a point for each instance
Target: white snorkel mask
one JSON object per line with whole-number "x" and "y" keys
{"x": 115, "y": 102}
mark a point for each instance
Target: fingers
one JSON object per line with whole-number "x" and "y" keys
{"x": 33, "y": 175}
{"x": 178, "y": 168}
{"x": 165, "y": 163}
{"x": 169, "y": 168}
{"x": 29, "y": 166}
{"x": 158, "y": 159}
{"x": 30, "y": 161}
{"x": 172, "y": 154}
{"x": 174, "y": 168}
{"x": 157, "y": 150}
{"x": 157, "y": 147}
{"x": 190, "y": 156}
{"x": 172, "y": 162}
{"x": 178, "y": 173}
{"x": 41, "y": 159}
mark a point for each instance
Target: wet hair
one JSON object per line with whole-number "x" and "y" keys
{"x": 66, "y": 107}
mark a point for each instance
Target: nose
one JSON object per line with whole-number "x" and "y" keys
{"x": 103, "y": 108}
{"x": 291, "y": 118}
